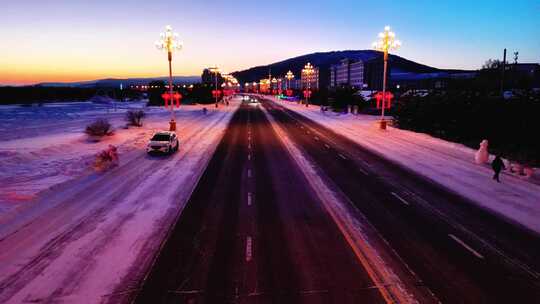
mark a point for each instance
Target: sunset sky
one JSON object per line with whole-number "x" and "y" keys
{"x": 84, "y": 40}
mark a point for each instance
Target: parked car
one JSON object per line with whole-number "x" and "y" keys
{"x": 163, "y": 141}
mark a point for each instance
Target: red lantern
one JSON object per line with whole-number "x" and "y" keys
{"x": 280, "y": 91}
{"x": 216, "y": 93}
{"x": 166, "y": 97}
{"x": 307, "y": 93}
{"x": 388, "y": 99}
{"x": 289, "y": 92}
{"x": 177, "y": 96}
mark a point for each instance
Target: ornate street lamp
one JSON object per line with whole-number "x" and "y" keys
{"x": 289, "y": 76}
{"x": 274, "y": 86}
{"x": 308, "y": 70}
{"x": 169, "y": 42}
{"x": 387, "y": 42}
{"x": 215, "y": 92}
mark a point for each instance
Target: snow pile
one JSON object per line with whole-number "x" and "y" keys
{"x": 449, "y": 164}
{"x": 89, "y": 237}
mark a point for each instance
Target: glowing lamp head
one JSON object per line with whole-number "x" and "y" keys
{"x": 168, "y": 41}
{"x": 387, "y": 41}
{"x": 289, "y": 75}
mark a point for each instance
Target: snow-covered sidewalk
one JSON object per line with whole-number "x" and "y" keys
{"x": 71, "y": 235}
{"x": 446, "y": 163}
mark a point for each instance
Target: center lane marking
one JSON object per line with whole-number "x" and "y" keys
{"x": 400, "y": 198}
{"x": 249, "y": 173}
{"x": 470, "y": 249}
{"x": 249, "y": 248}
{"x": 249, "y": 199}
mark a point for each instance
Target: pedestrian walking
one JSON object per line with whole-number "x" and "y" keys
{"x": 497, "y": 164}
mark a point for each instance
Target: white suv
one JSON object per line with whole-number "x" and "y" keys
{"x": 163, "y": 141}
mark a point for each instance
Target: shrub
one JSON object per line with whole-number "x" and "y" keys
{"x": 134, "y": 118}
{"x": 100, "y": 127}
{"x": 470, "y": 117}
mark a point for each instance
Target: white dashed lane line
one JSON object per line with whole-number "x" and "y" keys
{"x": 249, "y": 248}
{"x": 342, "y": 156}
{"x": 470, "y": 249}
{"x": 400, "y": 198}
{"x": 249, "y": 198}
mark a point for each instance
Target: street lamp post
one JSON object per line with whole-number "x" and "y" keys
{"x": 169, "y": 42}
{"x": 215, "y": 71}
{"x": 289, "y": 77}
{"x": 387, "y": 42}
{"x": 308, "y": 70}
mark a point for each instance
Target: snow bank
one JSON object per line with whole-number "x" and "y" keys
{"x": 449, "y": 164}
{"x": 88, "y": 237}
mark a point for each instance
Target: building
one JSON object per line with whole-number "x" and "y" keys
{"x": 310, "y": 81}
{"x": 373, "y": 73}
{"x": 347, "y": 72}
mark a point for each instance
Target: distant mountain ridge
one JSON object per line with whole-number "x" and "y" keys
{"x": 115, "y": 82}
{"x": 323, "y": 60}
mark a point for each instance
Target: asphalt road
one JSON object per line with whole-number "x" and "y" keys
{"x": 462, "y": 253}
{"x": 254, "y": 232}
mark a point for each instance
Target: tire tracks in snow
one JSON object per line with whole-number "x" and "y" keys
{"x": 57, "y": 246}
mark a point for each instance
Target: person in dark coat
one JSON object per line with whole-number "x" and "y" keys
{"x": 497, "y": 165}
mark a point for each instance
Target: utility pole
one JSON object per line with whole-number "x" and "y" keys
{"x": 502, "y": 72}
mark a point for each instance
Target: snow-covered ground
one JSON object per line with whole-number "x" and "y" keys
{"x": 68, "y": 234}
{"x": 449, "y": 164}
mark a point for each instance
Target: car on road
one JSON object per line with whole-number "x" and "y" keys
{"x": 164, "y": 142}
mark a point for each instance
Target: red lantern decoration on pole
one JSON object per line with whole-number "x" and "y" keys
{"x": 289, "y": 92}
{"x": 177, "y": 96}
{"x": 307, "y": 93}
{"x": 166, "y": 97}
{"x": 216, "y": 93}
{"x": 385, "y": 98}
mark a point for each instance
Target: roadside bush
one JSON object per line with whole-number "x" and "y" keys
{"x": 100, "y": 127}
{"x": 134, "y": 118}
{"x": 469, "y": 117}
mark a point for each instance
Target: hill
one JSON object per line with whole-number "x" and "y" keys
{"x": 323, "y": 60}
{"x": 115, "y": 82}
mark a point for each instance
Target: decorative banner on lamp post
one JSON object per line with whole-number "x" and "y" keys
{"x": 388, "y": 99}
{"x": 307, "y": 93}
{"x": 166, "y": 97}
{"x": 177, "y": 97}
{"x": 216, "y": 93}
{"x": 289, "y": 92}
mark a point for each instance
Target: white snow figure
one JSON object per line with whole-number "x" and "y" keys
{"x": 482, "y": 155}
